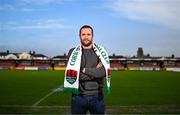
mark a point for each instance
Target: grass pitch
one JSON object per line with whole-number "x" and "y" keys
{"x": 132, "y": 92}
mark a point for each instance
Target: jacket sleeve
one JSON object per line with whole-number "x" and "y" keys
{"x": 84, "y": 77}
{"x": 95, "y": 72}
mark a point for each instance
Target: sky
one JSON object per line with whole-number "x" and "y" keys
{"x": 51, "y": 27}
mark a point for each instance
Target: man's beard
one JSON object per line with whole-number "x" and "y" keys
{"x": 86, "y": 44}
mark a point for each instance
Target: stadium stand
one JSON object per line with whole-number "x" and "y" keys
{"x": 33, "y": 61}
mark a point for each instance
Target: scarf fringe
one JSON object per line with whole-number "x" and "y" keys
{"x": 71, "y": 90}
{"x": 108, "y": 90}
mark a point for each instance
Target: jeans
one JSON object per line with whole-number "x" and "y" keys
{"x": 82, "y": 104}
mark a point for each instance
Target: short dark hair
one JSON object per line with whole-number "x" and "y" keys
{"x": 86, "y": 26}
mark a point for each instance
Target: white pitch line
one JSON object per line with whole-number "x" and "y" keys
{"x": 35, "y": 104}
{"x": 60, "y": 88}
{"x": 45, "y": 106}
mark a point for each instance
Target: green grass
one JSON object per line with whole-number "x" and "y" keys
{"x": 145, "y": 88}
{"x": 132, "y": 92}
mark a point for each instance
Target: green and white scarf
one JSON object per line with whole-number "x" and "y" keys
{"x": 71, "y": 81}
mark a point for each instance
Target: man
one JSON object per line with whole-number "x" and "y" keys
{"x": 89, "y": 96}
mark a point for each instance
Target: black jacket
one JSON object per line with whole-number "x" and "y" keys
{"x": 91, "y": 82}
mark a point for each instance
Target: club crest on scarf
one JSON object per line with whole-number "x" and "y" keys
{"x": 71, "y": 76}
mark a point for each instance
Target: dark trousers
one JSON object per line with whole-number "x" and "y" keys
{"x": 82, "y": 104}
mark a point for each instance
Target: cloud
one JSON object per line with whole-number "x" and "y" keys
{"x": 6, "y": 7}
{"x": 37, "y": 24}
{"x": 29, "y": 5}
{"x": 9, "y": 7}
{"x": 165, "y": 12}
{"x": 41, "y": 2}
{"x": 15, "y": 7}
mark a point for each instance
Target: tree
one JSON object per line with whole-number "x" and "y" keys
{"x": 30, "y": 52}
{"x": 148, "y": 55}
{"x": 172, "y": 56}
{"x": 34, "y": 52}
{"x": 114, "y": 55}
{"x": 7, "y": 51}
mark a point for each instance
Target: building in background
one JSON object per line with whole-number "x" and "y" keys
{"x": 140, "y": 53}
